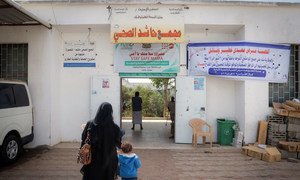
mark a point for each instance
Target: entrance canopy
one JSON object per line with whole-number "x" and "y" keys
{"x": 12, "y": 14}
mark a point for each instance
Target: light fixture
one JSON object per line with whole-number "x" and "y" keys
{"x": 206, "y": 31}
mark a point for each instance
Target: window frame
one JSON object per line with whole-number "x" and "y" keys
{"x": 280, "y": 92}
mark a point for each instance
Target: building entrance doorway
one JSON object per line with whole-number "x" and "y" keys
{"x": 155, "y": 94}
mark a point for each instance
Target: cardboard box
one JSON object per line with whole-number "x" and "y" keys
{"x": 293, "y": 104}
{"x": 269, "y": 154}
{"x": 286, "y": 154}
{"x": 279, "y": 110}
{"x": 290, "y": 146}
{"x": 287, "y": 107}
{"x": 253, "y": 151}
{"x": 244, "y": 150}
{"x": 295, "y": 114}
{"x": 272, "y": 155}
{"x": 262, "y": 132}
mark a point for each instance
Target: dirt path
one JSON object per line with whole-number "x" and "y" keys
{"x": 160, "y": 164}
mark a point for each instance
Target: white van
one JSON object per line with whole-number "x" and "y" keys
{"x": 16, "y": 119}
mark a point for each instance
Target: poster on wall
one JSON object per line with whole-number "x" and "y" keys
{"x": 199, "y": 83}
{"x": 79, "y": 54}
{"x": 146, "y": 58}
{"x": 240, "y": 60}
{"x": 147, "y": 24}
{"x": 105, "y": 83}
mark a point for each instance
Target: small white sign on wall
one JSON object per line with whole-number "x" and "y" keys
{"x": 79, "y": 54}
{"x": 105, "y": 88}
{"x": 105, "y": 83}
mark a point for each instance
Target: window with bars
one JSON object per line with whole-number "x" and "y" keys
{"x": 14, "y": 61}
{"x": 280, "y": 92}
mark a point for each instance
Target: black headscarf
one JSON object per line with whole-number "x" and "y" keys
{"x": 104, "y": 114}
{"x": 105, "y": 133}
{"x": 105, "y": 136}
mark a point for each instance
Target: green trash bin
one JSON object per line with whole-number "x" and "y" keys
{"x": 225, "y": 131}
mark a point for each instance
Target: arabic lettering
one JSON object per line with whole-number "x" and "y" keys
{"x": 241, "y": 50}
{"x": 146, "y": 33}
{"x": 147, "y": 17}
{"x": 120, "y": 10}
{"x": 237, "y": 72}
{"x": 147, "y": 9}
{"x": 236, "y": 62}
{"x": 175, "y": 10}
{"x": 146, "y": 55}
{"x": 261, "y": 62}
{"x": 79, "y": 51}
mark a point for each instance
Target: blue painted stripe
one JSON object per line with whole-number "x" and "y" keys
{"x": 79, "y": 64}
{"x": 252, "y": 44}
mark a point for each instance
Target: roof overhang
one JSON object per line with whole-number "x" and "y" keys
{"x": 12, "y": 14}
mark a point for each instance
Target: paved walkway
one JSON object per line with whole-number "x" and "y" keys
{"x": 160, "y": 161}
{"x": 157, "y": 164}
{"x": 155, "y": 135}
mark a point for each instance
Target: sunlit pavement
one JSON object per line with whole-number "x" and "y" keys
{"x": 155, "y": 134}
{"x": 161, "y": 158}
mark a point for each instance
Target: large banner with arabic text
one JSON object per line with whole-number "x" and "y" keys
{"x": 147, "y": 24}
{"x": 240, "y": 60}
{"x": 146, "y": 58}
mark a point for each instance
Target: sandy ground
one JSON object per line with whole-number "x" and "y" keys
{"x": 170, "y": 164}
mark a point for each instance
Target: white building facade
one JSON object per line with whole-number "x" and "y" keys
{"x": 62, "y": 96}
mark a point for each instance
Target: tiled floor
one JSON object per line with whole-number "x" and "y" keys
{"x": 154, "y": 135}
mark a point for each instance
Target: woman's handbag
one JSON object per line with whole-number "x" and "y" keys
{"x": 85, "y": 152}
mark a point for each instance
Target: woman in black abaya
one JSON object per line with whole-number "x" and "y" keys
{"x": 105, "y": 137}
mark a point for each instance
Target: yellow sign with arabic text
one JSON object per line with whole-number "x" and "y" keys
{"x": 154, "y": 24}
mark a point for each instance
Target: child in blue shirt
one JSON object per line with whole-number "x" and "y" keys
{"x": 129, "y": 162}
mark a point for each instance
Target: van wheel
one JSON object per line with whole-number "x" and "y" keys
{"x": 11, "y": 149}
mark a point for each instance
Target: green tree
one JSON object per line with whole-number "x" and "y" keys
{"x": 165, "y": 84}
{"x": 152, "y": 101}
{"x": 156, "y": 104}
{"x": 126, "y": 94}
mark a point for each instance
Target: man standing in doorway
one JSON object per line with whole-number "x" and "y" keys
{"x": 137, "y": 110}
{"x": 171, "y": 108}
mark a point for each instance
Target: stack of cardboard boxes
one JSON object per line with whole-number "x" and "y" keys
{"x": 265, "y": 153}
{"x": 260, "y": 150}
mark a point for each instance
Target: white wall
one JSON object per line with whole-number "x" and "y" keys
{"x": 256, "y": 107}
{"x": 70, "y": 14}
{"x": 240, "y": 104}
{"x": 267, "y": 23}
{"x": 76, "y": 82}
{"x": 67, "y": 90}
{"x": 55, "y": 47}
{"x": 220, "y": 101}
{"x": 274, "y": 24}
{"x": 221, "y": 93}
{"x": 42, "y": 57}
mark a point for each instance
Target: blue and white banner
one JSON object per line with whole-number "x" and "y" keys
{"x": 240, "y": 60}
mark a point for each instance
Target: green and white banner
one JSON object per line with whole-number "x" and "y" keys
{"x": 143, "y": 58}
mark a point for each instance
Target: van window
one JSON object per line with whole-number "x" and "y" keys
{"x": 13, "y": 95}
{"x": 20, "y": 95}
{"x": 7, "y": 99}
